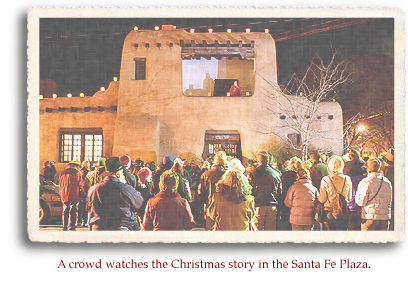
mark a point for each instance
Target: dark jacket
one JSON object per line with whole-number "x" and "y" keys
{"x": 112, "y": 204}
{"x": 317, "y": 172}
{"x": 266, "y": 185}
{"x": 130, "y": 178}
{"x": 206, "y": 188}
{"x": 354, "y": 168}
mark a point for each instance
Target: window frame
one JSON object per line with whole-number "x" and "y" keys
{"x": 82, "y": 133}
{"x": 140, "y": 65}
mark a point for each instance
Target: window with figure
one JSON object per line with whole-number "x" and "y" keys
{"x": 218, "y": 76}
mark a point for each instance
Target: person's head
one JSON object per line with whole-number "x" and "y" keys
{"x": 353, "y": 154}
{"x": 168, "y": 162}
{"x": 47, "y": 164}
{"x": 86, "y": 165}
{"x": 169, "y": 181}
{"x": 186, "y": 163}
{"x": 220, "y": 158}
{"x": 295, "y": 163}
{"x": 335, "y": 165}
{"x": 74, "y": 164}
{"x": 236, "y": 164}
{"x": 373, "y": 164}
{"x": 101, "y": 163}
{"x": 178, "y": 165}
{"x": 262, "y": 157}
{"x": 389, "y": 157}
{"x": 125, "y": 161}
{"x": 307, "y": 164}
{"x": 303, "y": 173}
{"x": 206, "y": 165}
{"x": 114, "y": 168}
{"x": 315, "y": 155}
{"x": 234, "y": 185}
{"x": 236, "y": 82}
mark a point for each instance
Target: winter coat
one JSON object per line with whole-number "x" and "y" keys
{"x": 327, "y": 192}
{"x": 378, "y": 208}
{"x": 301, "y": 201}
{"x": 317, "y": 172}
{"x": 168, "y": 212}
{"x": 70, "y": 181}
{"x": 206, "y": 188}
{"x": 230, "y": 216}
{"x": 266, "y": 185}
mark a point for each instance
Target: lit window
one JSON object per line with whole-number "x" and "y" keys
{"x": 81, "y": 145}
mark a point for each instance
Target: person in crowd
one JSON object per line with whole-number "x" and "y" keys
{"x": 301, "y": 199}
{"x": 318, "y": 169}
{"x": 266, "y": 185}
{"x": 166, "y": 164}
{"x": 206, "y": 188}
{"x": 355, "y": 168}
{"x": 232, "y": 207}
{"x": 112, "y": 201}
{"x": 307, "y": 164}
{"x": 235, "y": 89}
{"x": 94, "y": 176}
{"x": 183, "y": 185}
{"x": 387, "y": 168}
{"x": 288, "y": 178}
{"x": 49, "y": 171}
{"x": 168, "y": 211}
{"x": 131, "y": 179}
{"x": 235, "y": 164}
{"x": 335, "y": 183}
{"x": 70, "y": 181}
{"x": 374, "y": 195}
{"x": 81, "y": 206}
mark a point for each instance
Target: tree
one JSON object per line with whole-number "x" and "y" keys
{"x": 369, "y": 103}
{"x": 300, "y": 102}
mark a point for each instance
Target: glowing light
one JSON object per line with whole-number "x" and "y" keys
{"x": 115, "y": 79}
{"x": 361, "y": 128}
{"x": 69, "y": 95}
{"x": 229, "y": 31}
{"x": 210, "y": 31}
{"x": 156, "y": 28}
{"x": 54, "y": 96}
{"x": 248, "y": 30}
{"x": 135, "y": 28}
{"x": 81, "y": 95}
{"x": 192, "y": 31}
{"x": 102, "y": 88}
{"x": 41, "y": 96}
{"x": 266, "y": 31}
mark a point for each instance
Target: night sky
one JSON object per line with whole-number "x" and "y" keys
{"x": 82, "y": 55}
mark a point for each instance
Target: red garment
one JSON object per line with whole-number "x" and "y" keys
{"x": 235, "y": 91}
{"x": 69, "y": 183}
{"x": 168, "y": 212}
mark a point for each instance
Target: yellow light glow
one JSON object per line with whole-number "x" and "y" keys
{"x": 192, "y": 31}
{"x": 81, "y": 95}
{"x": 115, "y": 79}
{"x": 210, "y": 31}
{"x": 69, "y": 95}
{"x": 361, "y": 128}
{"x": 229, "y": 31}
{"x": 156, "y": 28}
{"x": 54, "y": 96}
{"x": 135, "y": 28}
{"x": 41, "y": 96}
{"x": 102, "y": 88}
{"x": 248, "y": 30}
{"x": 266, "y": 31}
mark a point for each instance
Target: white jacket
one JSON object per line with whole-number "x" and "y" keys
{"x": 378, "y": 208}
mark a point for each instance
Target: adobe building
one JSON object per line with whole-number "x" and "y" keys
{"x": 173, "y": 98}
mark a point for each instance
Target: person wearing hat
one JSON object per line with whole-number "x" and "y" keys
{"x": 266, "y": 186}
{"x": 130, "y": 178}
{"x": 374, "y": 195}
{"x": 49, "y": 171}
{"x": 166, "y": 164}
{"x": 93, "y": 177}
{"x": 70, "y": 181}
{"x": 112, "y": 202}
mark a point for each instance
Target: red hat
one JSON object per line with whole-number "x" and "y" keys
{"x": 125, "y": 161}
{"x": 144, "y": 174}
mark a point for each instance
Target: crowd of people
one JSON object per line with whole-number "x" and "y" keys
{"x": 344, "y": 193}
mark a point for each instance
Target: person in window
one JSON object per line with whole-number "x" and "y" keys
{"x": 235, "y": 89}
